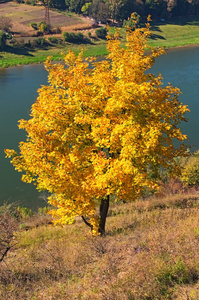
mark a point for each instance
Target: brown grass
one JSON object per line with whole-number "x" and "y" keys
{"x": 22, "y": 15}
{"x": 150, "y": 252}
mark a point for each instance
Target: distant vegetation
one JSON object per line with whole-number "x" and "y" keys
{"x": 102, "y": 10}
{"x": 29, "y": 39}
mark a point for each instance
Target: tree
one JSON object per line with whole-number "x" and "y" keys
{"x": 131, "y": 21}
{"x": 114, "y": 8}
{"x": 85, "y": 8}
{"x": 101, "y": 131}
{"x": 99, "y": 10}
{"x": 75, "y": 5}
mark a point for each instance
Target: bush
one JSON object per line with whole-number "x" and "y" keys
{"x": 34, "y": 25}
{"x": 190, "y": 170}
{"x": 28, "y": 44}
{"x": 54, "y": 40}
{"x": 132, "y": 21}
{"x": 39, "y": 42}
{"x": 43, "y": 27}
{"x": 74, "y": 38}
{"x": 101, "y": 32}
{"x": 65, "y": 36}
{"x": 23, "y": 213}
{"x": 56, "y": 30}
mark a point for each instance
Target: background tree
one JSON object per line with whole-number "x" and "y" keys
{"x": 131, "y": 21}
{"x": 114, "y": 8}
{"x": 101, "y": 131}
{"x": 75, "y": 5}
{"x": 86, "y": 8}
{"x": 99, "y": 10}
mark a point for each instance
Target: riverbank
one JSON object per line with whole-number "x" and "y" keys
{"x": 178, "y": 33}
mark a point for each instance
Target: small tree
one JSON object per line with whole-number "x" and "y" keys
{"x": 131, "y": 21}
{"x": 43, "y": 27}
{"x": 101, "y": 131}
{"x": 101, "y": 32}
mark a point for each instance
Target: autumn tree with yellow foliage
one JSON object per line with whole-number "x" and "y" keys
{"x": 101, "y": 131}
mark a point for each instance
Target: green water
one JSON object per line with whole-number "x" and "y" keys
{"x": 18, "y": 89}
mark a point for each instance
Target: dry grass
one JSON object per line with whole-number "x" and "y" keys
{"x": 22, "y": 15}
{"x": 150, "y": 252}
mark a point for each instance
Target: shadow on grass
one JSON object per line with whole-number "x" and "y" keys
{"x": 83, "y": 42}
{"x": 18, "y": 51}
{"x": 155, "y": 27}
{"x": 181, "y": 21}
{"x": 154, "y": 36}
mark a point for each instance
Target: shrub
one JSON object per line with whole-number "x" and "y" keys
{"x": 54, "y": 40}
{"x": 89, "y": 34}
{"x": 34, "y": 25}
{"x": 132, "y": 21}
{"x": 190, "y": 170}
{"x": 101, "y": 32}
{"x": 80, "y": 36}
{"x": 28, "y": 44}
{"x": 57, "y": 30}
{"x": 65, "y": 36}
{"x": 24, "y": 213}
{"x": 43, "y": 27}
{"x": 40, "y": 41}
{"x": 74, "y": 38}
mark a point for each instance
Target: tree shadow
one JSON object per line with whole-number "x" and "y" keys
{"x": 154, "y": 36}
{"x": 181, "y": 21}
{"x": 18, "y": 51}
{"x": 155, "y": 27}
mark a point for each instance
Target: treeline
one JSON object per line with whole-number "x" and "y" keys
{"x": 119, "y": 10}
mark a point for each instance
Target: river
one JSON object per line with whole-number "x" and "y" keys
{"x": 18, "y": 87}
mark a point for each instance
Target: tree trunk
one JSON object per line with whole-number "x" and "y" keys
{"x": 104, "y": 206}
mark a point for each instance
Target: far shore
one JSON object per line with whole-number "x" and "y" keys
{"x": 41, "y": 56}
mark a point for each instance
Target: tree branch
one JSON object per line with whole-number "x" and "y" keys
{"x": 87, "y": 223}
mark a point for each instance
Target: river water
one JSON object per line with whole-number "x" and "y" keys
{"x": 18, "y": 88}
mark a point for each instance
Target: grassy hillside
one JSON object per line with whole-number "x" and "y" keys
{"x": 179, "y": 32}
{"x": 150, "y": 251}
